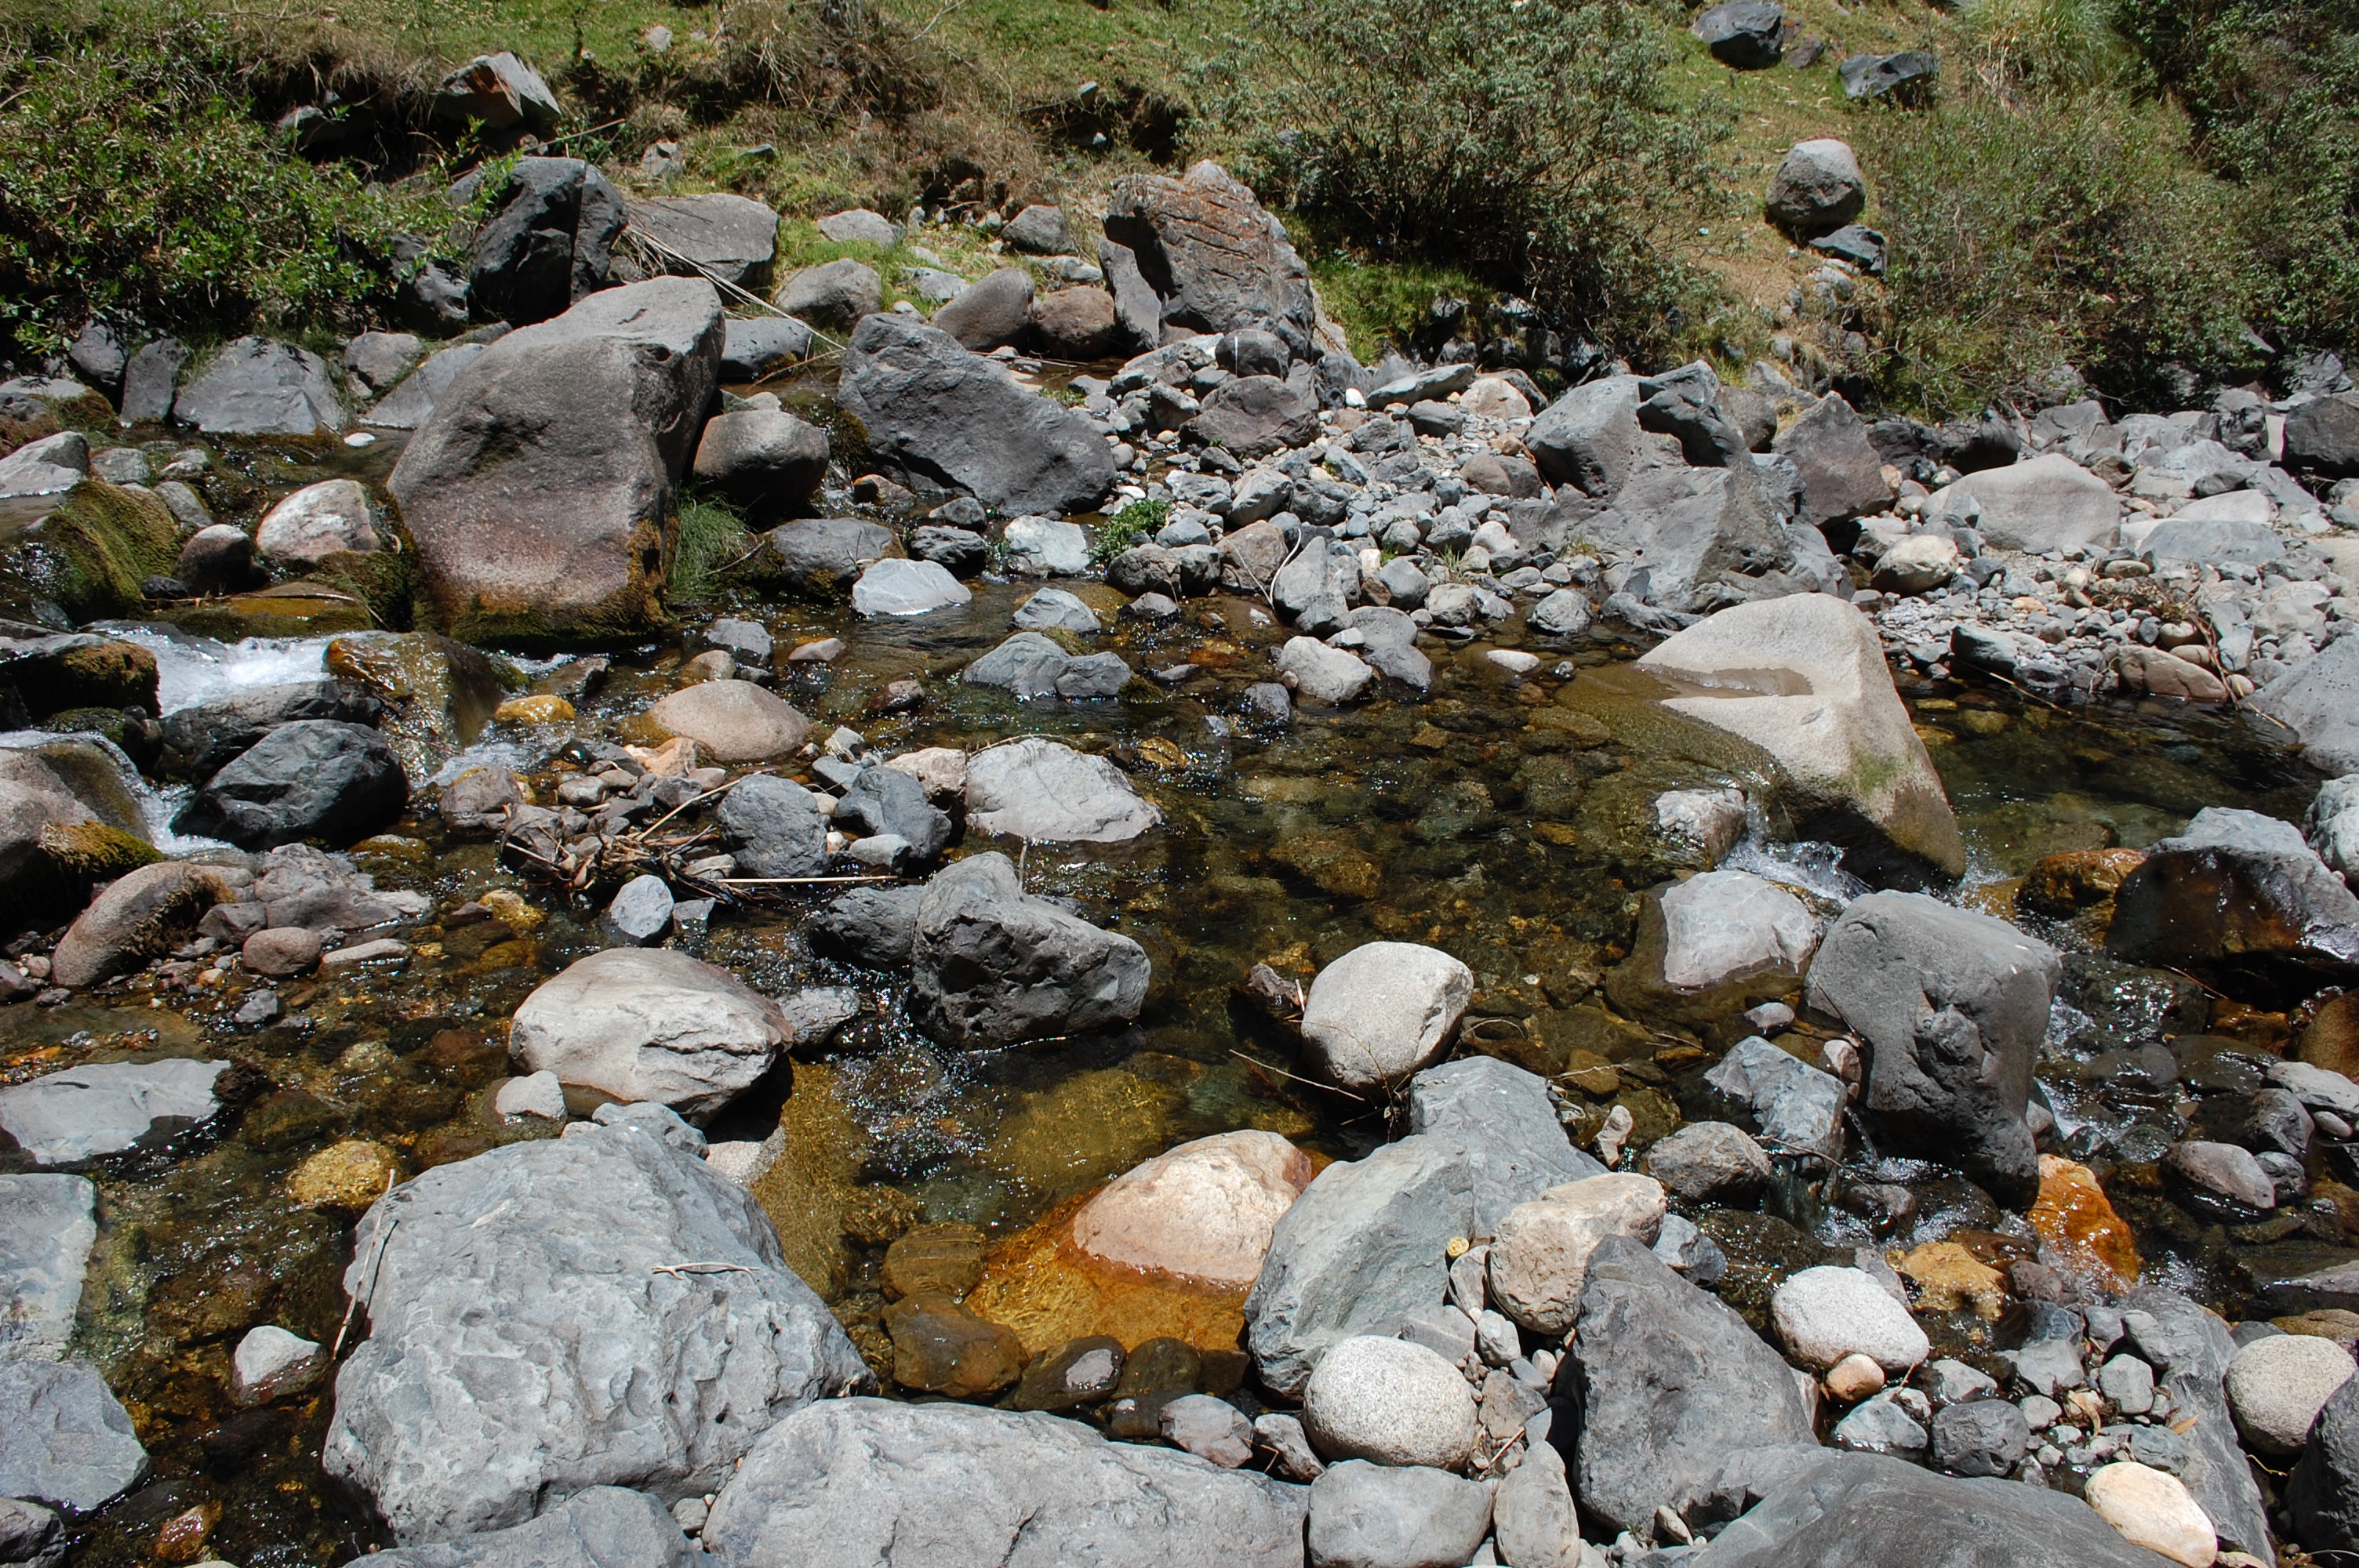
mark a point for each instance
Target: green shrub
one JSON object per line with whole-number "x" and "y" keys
{"x": 2030, "y": 230}
{"x": 1139, "y": 521}
{"x": 1529, "y": 142}
{"x": 134, "y": 178}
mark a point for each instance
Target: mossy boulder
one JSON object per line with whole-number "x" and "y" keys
{"x": 86, "y": 551}
{"x": 45, "y": 676}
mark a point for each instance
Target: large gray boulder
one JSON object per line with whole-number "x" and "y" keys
{"x": 1212, "y": 253}
{"x": 765, "y": 458}
{"x": 2189, "y": 1349}
{"x": 47, "y": 1225}
{"x": 600, "y": 1527}
{"x": 2322, "y": 435}
{"x": 1387, "y": 1515}
{"x": 731, "y": 238}
{"x": 255, "y": 387}
{"x": 1804, "y": 679}
{"x": 1028, "y": 665}
{"x": 1037, "y": 788}
{"x": 993, "y": 965}
{"x": 989, "y": 313}
{"x": 1817, "y": 189}
{"x": 774, "y": 826}
{"x": 1253, "y": 417}
{"x": 526, "y": 1340}
{"x": 1842, "y": 474}
{"x": 550, "y": 244}
{"x": 200, "y": 742}
{"x": 1590, "y": 437}
{"x": 1796, "y": 1108}
{"x": 1366, "y": 1245}
{"x": 1668, "y": 1381}
{"x": 835, "y": 293}
{"x": 866, "y": 1483}
{"x": 79, "y": 1114}
{"x": 1699, "y": 535}
{"x": 65, "y": 1440}
{"x": 2239, "y": 894}
{"x": 2318, "y": 700}
{"x": 650, "y": 1025}
{"x": 412, "y": 402}
{"x": 939, "y": 419}
{"x": 824, "y": 556}
{"x": 313, "y": 778}
{"x": 1952, "y": 1005}
{"x": 2049, "y": 503}
{"x": 539, "y": 492}
{"x": 1832, "y": 1509}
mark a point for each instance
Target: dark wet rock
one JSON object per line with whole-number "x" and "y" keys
{"x": 940, "y": 1347}
{"x": 824, "y": 556}
{"x": 774, "y": 826}
{"x": 217, "y": 559}
{"x": 1668, "y": 1381}
{"x": 887, "y": 800}
{"x": 63, "y": 1438}
{"x": 42, "y": 675}
{"x": 2322, "y": 1494}
{"x": 550, "y": 244}
{"x": 873, "y": 1479}
{"x": 1862, "y": 1510}
{"x": 767, "y": 460}
{"x": 1029, "y": 666}
{"x": 538, "y": 492}
{"x": 1980, "y": 1437}
{"x": 731, "y": 238}
{"x": 993, "y": 965}
{"x": 1952, "y": 1005}
{"x": 598, "y": 1526}
{"x": 1079, "y": 1372}
{"x": 875, "y": 927}
{"x": 253, "y": 386}
{"x": 1387, "y": 1515}
{"x": 200, "y": 742}
{"x": 2238, "y": 893}
{"x": 939, "y": 419}
{"x": 990, "y": 313}
{"x": 566, "y": 1237}
{"x": 313, "y": 778}
{"x": 1216, "y": 259}
{"x": 657, "y": 1026}
{"x": 2190, "y": 1347}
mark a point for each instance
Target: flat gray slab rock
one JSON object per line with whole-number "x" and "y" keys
{"x": 81, "y": 1113}
{"x": 1501, "y": 1116}
{"x": 604, "y": 1527}
{"x": 525, "y": 1342}
{"x": 1042, "y": 789}
{"x": 63, "y": 1438}
{"x": 869, "y": 1484}
{"x": 47, "y": 1225}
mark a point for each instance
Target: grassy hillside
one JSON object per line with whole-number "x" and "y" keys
{"x": 2120, "y": 192}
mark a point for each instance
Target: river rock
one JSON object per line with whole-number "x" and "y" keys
{"x": 598, "y": 1526}
{"x": 2278, "y": 1385}
{"x": 200, "y": 742}
{"x": 1317, "y": 673}
{"x": 1954, "y": 1005}
{"x": 31, "y": 1535}
{"x": 138, "y": 916}
{"x": 500, "y": 90}
{"x": 639, "y": 913}
{"x": 993, "y": 965}
{"x": 1036, "y": 788}
{"x": 2239, "y": 892}
{"x": 270, "y": 1362}
{"x": 47, "y": 1225}
{"x": 2190, "y": 1348}
{"x": 316, "y": 520}
{"x": 765, "y": 458}
{"x": 408, "y": 406}
{"x": 538, "y": 493}
{"x": 1842, "y": 474}
{"x": 1745, "y": 35}
{"x": 906, "y": 588}
{"x": 940, "y": 419}
{"x": 1503, "y": 1119}
{"x": 1540, "y": 1255}
{"x": 1980, "y": 1437}
{"x": 1204, "y": 1211}
{"x": 65, "y": 1440}
{"x": 2318, "y": 700}
{"x": 1711, "y": 946}
{"x": 835, "y": 295}
{"x": 1029, "y": 666}
{"x": 549, "y": 243}
{"x": 1590, "y": 437}
{"x": 1710, "y": 1162}
{"x": 1382, "y": 1010}
{"x": 1054, "y": 610}
{"x": 1804, "y": 678}
{"x": 1825, "y": 1313}
{"x": 733, "y": 239}
{"x": 2151, "y": 1508}
{"x": 650, "y": 1025}
{"x": 78, "y": 1114}
{"x": 1075, "y": 324}
{"x": 2223, "y": 1172}
{"x": 1704, "y": 535}
{"x": 1817, "y": 189}
{"x": 1532, "y": 1513}
{"x": 253, "y": 386}
{"x": 2049, "y": 503}
{"x": 313, "y": 778}
{"x": 820, "y": 557}
{"x": 1668, "y": 1381}
{"x": 732, "y": 721}
{"x": 862, "y": 1481}
{"x": 569, "y": 1236}
{"x": 988, "y": 313}
{"x": 50, "y": 466}
{"x": 888, "y": 801}
{"x": 1380, "y": 1516}
{"x": 1216, "y": 259}
{"x": 1390, "y": 1402}
{"x": 1795, "y": 1106}
{"x": 1253, "y": 417}
{"x": 756, "y": 347}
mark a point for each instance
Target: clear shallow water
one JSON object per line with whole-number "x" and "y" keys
{"x": 1500, "y": 818}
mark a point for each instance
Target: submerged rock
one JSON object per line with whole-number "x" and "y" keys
{"x": 65, "y": 1440}
{"x": 1037, "y": 788}
{"x": 2238, "y": 893}
{"x": 47, "y": 1224}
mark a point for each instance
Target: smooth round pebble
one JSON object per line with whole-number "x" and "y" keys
{"x": 2152, "y": 1509}
{"x": 2277, "y": 1386}
{"x": 1855, "y": 1378}
{"x": 1390, "y": 1402}
{"x": 281, "y": 951}
{"x": 1825, "y": 1313}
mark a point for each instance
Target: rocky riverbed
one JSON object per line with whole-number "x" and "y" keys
{"x": 1195, "y": 953}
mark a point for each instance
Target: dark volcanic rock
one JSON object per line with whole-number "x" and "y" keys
{"x": 313, "y": 778}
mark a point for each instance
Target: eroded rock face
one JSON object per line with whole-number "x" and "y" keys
{"x": 1804, "y": 678}
{"x": 594, "y": 1367}
{"x": 538, "y": 491}
{"x": 862, "y": 1481}
{"x": 1214, "y": 255}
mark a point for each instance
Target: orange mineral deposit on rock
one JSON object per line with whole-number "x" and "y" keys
{"x": 2076, "y": 1221}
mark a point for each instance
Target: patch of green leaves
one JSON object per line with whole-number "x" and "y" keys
{"x": 1134, "y": 524}
{"x": 712, "y": 535}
